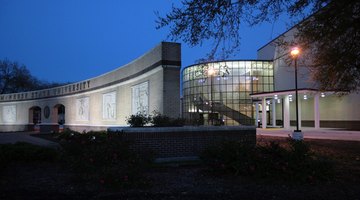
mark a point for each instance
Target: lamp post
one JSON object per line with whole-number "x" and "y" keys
{"x": 295, "y": 54}
{"x": 211, "y": 73}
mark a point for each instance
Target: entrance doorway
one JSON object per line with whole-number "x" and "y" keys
{"x": 35, "y": 115}
{"x": 59, "y": 111}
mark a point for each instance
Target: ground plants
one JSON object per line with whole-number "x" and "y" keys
{"x": 156, "y": 120}
{"x": 138, "y": 120}
{"x": 292, "y": 162}
{"x": 104, "y": 158}
{"x": 160, "y": 120}
{"x": 25, "y": 152}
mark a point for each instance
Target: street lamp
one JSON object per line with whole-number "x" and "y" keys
{"x": 295, "y": 54}
{"x": 211, "y": 73}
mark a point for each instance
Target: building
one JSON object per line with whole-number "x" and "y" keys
{"x": 149, "y": 83}
{"x": 262, "y": 93}
{"x": 318, "y": 109}
{"x": 233, "y": 92}
{"x": 219, "y": 92}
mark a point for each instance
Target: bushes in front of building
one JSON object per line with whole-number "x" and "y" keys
{"x": 156, "y": 120}
{"x": 103, "y": 158}
{"x": 293, "y": 162}
{"x": 160, "y": 120}
{"x": 25, "y": 152}
{"x": 138, "y": 120}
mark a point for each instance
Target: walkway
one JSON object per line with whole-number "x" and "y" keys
{"x": 14, "y": 137}
{"x": 323, "y": 133}
{"x": 330, "y": 134}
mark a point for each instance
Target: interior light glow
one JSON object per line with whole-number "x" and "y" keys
{"x": 211, "y": 71}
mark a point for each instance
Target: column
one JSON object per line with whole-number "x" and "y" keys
{"x": 286, "y": 111}
{"x": 274, "y": 112}
{"x": 263, "y": 113}
{"x": 256, "y": 114}
{"x": 316, "y": 111}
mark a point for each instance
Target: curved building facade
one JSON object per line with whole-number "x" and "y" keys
{"x": 103, "y": 101}
{"x": 218, "y": 93}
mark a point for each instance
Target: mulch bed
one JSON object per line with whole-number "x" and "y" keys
{"x": 189, "y": 181}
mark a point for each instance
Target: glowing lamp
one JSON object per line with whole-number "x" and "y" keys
{"x": 295, "y": 52}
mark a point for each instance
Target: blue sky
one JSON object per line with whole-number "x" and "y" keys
{"x": 73, "y": 40}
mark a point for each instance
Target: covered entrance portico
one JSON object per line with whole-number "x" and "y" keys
{"x": 275, "y": 107}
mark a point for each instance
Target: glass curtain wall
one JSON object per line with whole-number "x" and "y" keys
{"x": 218, "y": 93}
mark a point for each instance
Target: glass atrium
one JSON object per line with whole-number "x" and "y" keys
{"x": 218, "y": 93}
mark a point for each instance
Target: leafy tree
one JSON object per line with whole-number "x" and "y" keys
{"x": 331, "y": 39}
{"x": 330, "y": 35}
{"x": 17, "y": 78}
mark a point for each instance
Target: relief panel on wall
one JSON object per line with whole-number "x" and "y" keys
{"x": 82, "y": 109}
{"x": 140, "y": 98}
{"x": 109, "y": 106}
{"x": 9, "y": 114}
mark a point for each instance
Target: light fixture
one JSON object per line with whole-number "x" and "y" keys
{"x": 211, "y": 71}
{"x": 305, "y": 96}
{"x": 322, "y": 94}
{"x": 275, "y": 96}
{"x": 295, "y": 52}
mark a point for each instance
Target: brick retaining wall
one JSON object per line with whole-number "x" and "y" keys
{"x": 183, "y": 142}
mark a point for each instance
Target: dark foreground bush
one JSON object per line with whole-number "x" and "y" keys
{"x": 105, "y": 159}
{"x": 157, "y": 120}
{"x": 294, "y": 163}
{"x": 138, "y": 120}
{"x": 25, "y": 152}
{"x": 160, "y": 120}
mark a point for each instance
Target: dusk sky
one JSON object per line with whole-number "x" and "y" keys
{"x": 73, "y": 40}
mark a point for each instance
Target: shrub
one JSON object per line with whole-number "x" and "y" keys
{"x": 138, "y": 120}
{"x": 160, "y": 120}
{"x": 25, "y": 152}
{"x": 294, "y": 163}
{"x": 177, "y": 122}
{"x": 105, "y": 159}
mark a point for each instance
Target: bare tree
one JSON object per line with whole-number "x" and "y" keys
{"x": 17, "y": 78}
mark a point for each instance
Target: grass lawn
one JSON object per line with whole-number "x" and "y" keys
{"x": 49, "y": 180}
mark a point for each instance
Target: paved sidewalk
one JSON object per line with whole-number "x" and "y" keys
{"x": 324, "y": 133}
{"x": 330, "y": 134}
{"x": 13, "y": 137}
